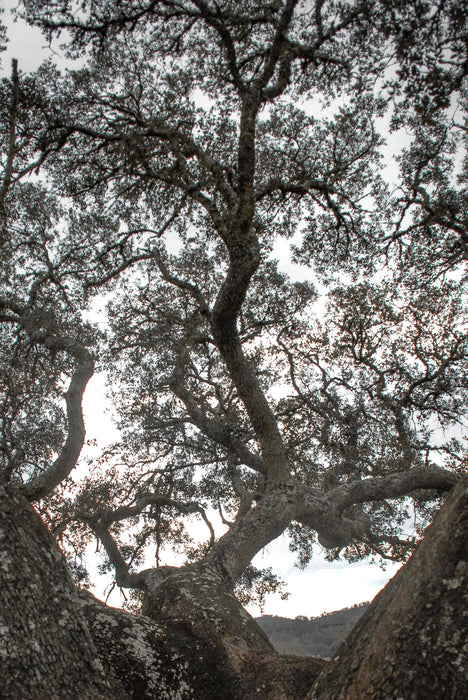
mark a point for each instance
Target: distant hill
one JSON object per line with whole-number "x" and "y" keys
{"x": 315, "y": 636}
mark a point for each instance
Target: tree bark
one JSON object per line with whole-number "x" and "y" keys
{"x": 196, "y": 641}
{"x": 192, "y": 653}
{"x": 57, "y": 642}
{"x": 412, "y": 642}
{"x": 46, "y": 650}
{"x": 238, "y": 659}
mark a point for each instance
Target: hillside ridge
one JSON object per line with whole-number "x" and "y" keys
{"x": 314, "y": 636}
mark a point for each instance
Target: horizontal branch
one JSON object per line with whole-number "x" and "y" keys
{"x": 100, "y": 526}
{"x": 392, "y": 486}
{"x": 276, "y": 184}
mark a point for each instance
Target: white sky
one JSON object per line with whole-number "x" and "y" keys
{"x": 323, "y": 586}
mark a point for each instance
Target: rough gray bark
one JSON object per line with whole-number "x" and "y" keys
{"x": 46, "y": 650}
{"x": 147, "y": 659}
{"x": 198, "y": 601}
{"x": 58, "y": 643}
{"x": 412, "y": 643}
{"x": 179, "y": 660}
{"x": 196, "y": 641}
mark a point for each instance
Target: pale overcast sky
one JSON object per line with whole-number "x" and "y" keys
{"x": 323, "y": 586}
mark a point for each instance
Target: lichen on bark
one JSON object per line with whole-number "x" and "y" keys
{"x": 46, "y": 650}
{"x": 58, "y": 642}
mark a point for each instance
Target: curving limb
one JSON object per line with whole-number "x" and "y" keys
{"x": 44, "y": 483}
{"x": 392, "y": 485}
{"x": 101, "y": 522}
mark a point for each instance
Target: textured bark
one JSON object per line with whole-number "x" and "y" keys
{"x": 412, "y": 643}
{"x": 150, "y": 660}
{"x": 199, "y": 602}
{"x": 46, "y": 650}
{"x": 172, "y": 660}
{"x": 196, "y": 641}
{"x": 57, "y": 642}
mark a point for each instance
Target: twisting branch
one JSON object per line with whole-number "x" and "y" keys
{"x": 152, "y": 499}
{"x": 392, "y": 485}
{"x": 44, "y": 483}
{"x": 123, "y": 577}
{"x": 100, "y": 523}
{"x": 244, "y": 258}
{"x": 278, "y": 55}
{"x": 185, "y": 286}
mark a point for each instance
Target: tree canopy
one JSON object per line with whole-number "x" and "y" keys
{"x": 144, "y": 197}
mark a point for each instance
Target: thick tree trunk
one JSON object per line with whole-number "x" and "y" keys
{"x": 412, "y": 642}
{"x": 197, "y": 601}
{"x": 59, "y": 643}
{"x": 196, "y": 641}
{"x": 169, "y": 660}
{"x": 46, "y": 650}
